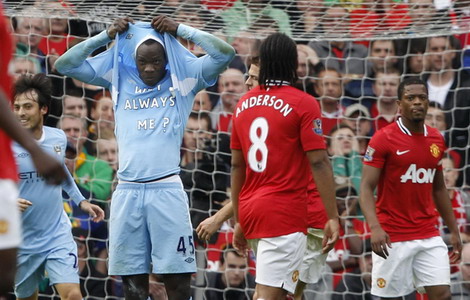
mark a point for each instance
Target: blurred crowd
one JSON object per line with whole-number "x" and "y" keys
{"x": 355, "y": 81}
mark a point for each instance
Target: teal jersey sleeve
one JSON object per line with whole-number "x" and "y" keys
{"x": 96, "y": 70}
{"x": 219, "y": 53}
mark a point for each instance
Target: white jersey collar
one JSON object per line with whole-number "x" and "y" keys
{"x": 406, "y": 130}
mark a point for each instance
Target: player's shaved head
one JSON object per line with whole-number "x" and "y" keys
{"x": 151, "y": 61}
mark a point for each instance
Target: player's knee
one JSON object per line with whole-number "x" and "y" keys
{"x": 6, "y": 285}
{"x": 442, "y": 295}
{"x": 439, "y": 293}
{"x": 179, "y": 294}
{"x": 73, "y": 294}
{"x": 178, "y": 287}
{"x": 7, "y": 282}
{"x": 136, "y": 287}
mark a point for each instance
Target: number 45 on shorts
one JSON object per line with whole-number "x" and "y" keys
{"x": 182, "y": 245}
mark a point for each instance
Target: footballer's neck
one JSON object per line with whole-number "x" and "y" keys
{"x": 415, "y": 126}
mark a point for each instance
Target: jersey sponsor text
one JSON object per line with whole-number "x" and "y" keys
{"x": 420, "y": 175}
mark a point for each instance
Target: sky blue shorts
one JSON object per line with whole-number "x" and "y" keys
{"x": 150, "y": 224}
{"x": 61, "y": 265}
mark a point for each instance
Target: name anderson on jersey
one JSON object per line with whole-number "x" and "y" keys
{"x": 265, "y": 100}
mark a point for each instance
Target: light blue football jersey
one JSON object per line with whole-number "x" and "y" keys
{"x": 45, "y": 224}
{"x": 150, "y": 121}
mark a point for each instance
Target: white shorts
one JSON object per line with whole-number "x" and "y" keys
{"x": 278, "y": 260}
{"x": 313, "y": 262}
{"x": 10, "y": 221}
{"x": 411, "y": 265}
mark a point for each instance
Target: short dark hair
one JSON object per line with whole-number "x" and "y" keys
{"x": 387, "y": 71}
{"x": 74, "y": 92}
{"x": 201, "y": 116}
{"x": 278, "y": 60}
{"x": 410, "y": 81}
{"x": 394, "y": 43}
{"x": 39, "y": 83}
{"x": 453, "y": 41}
{"x": 228, "y": 249}
{"x": 435, "y": 104}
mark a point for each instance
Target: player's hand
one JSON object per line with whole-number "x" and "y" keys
{"x": 379, "y": 241}
{"x": 119, "y": 25}
{"x": 93, "y": 210}
{"x": 49, "y": 167}
{"x": 23, "y": 204}
{"x": 207, "y": 228}
{"x": 331, "y": 235}
{"x": 456, "y": 243}
{"x": 164, "y": 24}
{"x": 239, "y": 241}
{"x": 312, "y": 56}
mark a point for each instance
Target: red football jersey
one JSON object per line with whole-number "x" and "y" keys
{"x": 274, "y": 128}
{"x": 7, "y": 165}
{"x": 409, "y": 161}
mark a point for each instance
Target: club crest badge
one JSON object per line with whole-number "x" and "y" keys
{"x": 295, "y": 276}
{"x": 57, "y": 149}
{"x": 435, "y": 151}
{"x": 381, "y": 282}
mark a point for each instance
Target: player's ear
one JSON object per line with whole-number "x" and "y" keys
{"x": 44, "y": 110}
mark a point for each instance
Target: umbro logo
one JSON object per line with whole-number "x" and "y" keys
{"x": 402, "y": 152}
{"x": 23, "y": 155}
{"x": 189, "y": 260}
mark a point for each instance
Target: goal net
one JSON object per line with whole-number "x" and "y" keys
{"x": 360, "y": 40}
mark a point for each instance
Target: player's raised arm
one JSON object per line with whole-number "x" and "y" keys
{"x": 220, "y": 53}
{"x": 73, "y": 62}
{"x": 379, "y": 238}
{"x": 443, "y": 206}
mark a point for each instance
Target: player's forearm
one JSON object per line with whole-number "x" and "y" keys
{"x": 442, "y": 202}
{"x": 220, "y": 52}
{"x": 236, "y": 186}
{"x": 238, "y": 175}
{"x": 443, "y": 206}
{"x": 224, "y": 214}
{"x": 70, "y": 187}
{"x": 367, "y": 203}
{"x": 323, "y": 175}
{"x": 71, "y": 62}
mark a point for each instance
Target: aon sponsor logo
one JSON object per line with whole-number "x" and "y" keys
{"x": 420, "y": 175}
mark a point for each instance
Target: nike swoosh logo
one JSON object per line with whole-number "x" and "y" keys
{"x": 402, "y": 152}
